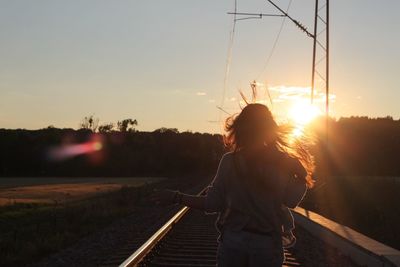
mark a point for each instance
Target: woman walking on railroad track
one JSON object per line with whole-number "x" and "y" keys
{"x": 255, "y": 182}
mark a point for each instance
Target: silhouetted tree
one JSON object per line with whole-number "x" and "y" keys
{"x": 106, "y": 128}
{"x": 90, "y": 123}
{"x": 357, "y": 146}
{"x": 127, "y": 125}
{"x": 166, "y": 130}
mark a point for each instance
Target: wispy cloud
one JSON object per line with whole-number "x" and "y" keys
{"x": 284, "y": 93}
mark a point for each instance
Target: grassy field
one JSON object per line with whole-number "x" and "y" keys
{"x": 57, "y": 190}
{"x": 367, "y": 204}
{"x": 41, "y": 216}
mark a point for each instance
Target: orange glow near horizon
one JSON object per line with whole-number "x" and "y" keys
{"x": 289, "y": 105}
{"x": 302, "y": 113}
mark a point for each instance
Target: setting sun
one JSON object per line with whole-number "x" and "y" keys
{"x": 303, "y": 112}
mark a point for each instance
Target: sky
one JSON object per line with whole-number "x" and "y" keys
{"x": 163, "y": 63}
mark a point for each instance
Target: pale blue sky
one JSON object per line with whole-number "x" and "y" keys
{"x": 163, "y": 62}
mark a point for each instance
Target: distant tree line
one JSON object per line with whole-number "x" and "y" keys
{"x": 356, "y": 146}
{"x": 359, "y": 146}
{"x": 358, "y": 152}
{"x": 123, "y": 153}
{"x": 92, "y": 123}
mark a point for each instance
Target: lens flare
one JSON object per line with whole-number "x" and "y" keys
{"x": 303, "y": 113}
{"x": 68, "y": 151}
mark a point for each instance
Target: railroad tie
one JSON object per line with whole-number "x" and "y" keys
{"x": 192, "y": 242}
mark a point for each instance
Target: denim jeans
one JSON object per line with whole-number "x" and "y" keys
{"x": 241, "y": 249}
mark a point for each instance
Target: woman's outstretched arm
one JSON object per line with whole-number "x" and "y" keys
{"x": 196, "y": 202}
{"x": 212, "y": 202}
{"x": 175, "y": 197}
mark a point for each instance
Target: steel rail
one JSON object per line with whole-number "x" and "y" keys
{"x": 143, "y": 250}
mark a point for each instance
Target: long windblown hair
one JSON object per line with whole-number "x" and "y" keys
{"x": 255, "y": 124}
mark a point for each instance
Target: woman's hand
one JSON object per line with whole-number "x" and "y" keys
{"x": 164, "y": 197}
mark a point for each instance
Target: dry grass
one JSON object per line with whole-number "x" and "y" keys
{"x": 31, "y": 231}
{"x": 56, "y": 190}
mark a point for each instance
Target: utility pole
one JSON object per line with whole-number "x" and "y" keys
{"x": 321, "y": 51}
{"x": 327, "y": 70}
{"x": 320, "y": 44}
{"x": 314, "y": 51}
{"x": 320, "y": 54}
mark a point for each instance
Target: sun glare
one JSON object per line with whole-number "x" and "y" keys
{"x": 302, "y": 113}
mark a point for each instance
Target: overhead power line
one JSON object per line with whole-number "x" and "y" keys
{"x": 229, "y": 56}
{"x": 275, "y": 42}
{"x": 296, "y": 22}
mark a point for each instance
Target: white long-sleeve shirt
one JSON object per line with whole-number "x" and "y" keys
{"x": 245, "y": 201}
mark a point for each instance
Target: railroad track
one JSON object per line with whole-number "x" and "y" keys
{"x": 192, "y": 242}
{"x": 188, "y": 239}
